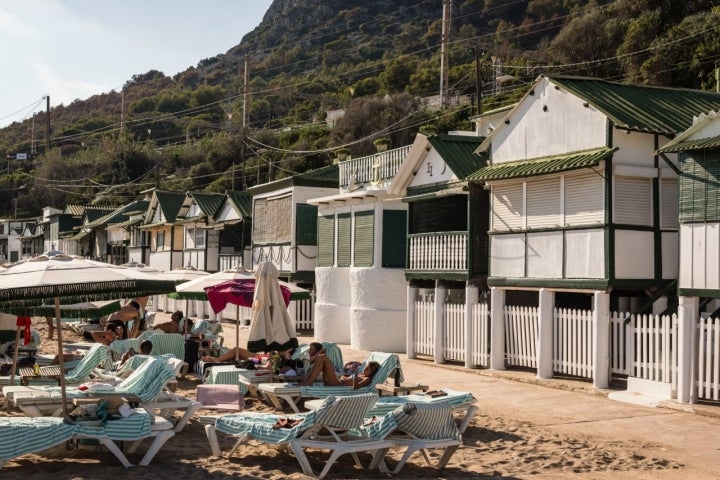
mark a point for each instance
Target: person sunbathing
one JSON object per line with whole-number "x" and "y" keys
{"x": 114, "y": 330}
{"x": 322, "y": 364}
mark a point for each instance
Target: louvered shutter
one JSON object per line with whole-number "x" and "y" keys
{"x": 364, "y": 238}
{"x": 326, "y": 241}
{"x": 633, "y": 201}
{"x": 543, "y": 202}
{"x": 394, "y": 239}
{"x": 343, "y": 239}
{"x": 584, "y": 199}
{"x": 507, "y": 207}
{"x": 306, "y": 224}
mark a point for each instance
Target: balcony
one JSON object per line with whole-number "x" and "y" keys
{"x": 441, "y": 252}
{"x": 375, "y": 169}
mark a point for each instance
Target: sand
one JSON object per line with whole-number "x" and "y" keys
{"x": 496, "y": 445}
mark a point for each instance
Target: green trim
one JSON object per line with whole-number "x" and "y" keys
{"x": 459, "y": 275}
{"x": 657, "y": 234}
{"x": 574, "y": 283}
{"x": 639, "y": 283}
{"x": 698, "y": 292}
{"x": 610, "y": 227}
{"x": 421, "y": 191}
{"x": 304, "y": 276}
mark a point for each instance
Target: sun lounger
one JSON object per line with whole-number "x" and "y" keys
{"x": 277, "y": 393}
{"x": 23, "y": 435}
{"x": 335, "y": 426}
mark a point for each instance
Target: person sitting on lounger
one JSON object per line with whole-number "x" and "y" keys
{"x": 145, "y": 349}
{"x": 322, "y": 364}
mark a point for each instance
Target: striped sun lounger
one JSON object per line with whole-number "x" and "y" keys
{"x": 23, "y": 435}
{"x": 342, "y": 416}
{"x": 276, "y": 393}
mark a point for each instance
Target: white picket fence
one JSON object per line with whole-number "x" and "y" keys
{"x": 708, "y": 383}
{"x": 642, "y": 346}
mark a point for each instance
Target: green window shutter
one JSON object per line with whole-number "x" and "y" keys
{"x": 326, "y": 241}
{"x": 364, "y": 237}
{"x": 394, "y": 238}
{"x": 344, "y": 239}
{"x": 306, "y": 224}
{"x": 699, "y": 190}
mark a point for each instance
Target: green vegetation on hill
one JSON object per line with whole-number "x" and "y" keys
{"x": 376, "y": 60}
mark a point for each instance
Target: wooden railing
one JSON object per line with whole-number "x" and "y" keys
{"x": 373, "y": 168}
{"x": 438, "y": 251}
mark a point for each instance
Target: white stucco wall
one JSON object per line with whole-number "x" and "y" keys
{"x": 379, "y": 309}
{"x": 699, "y": 256}
{"x": 332, "y": 305}
{"x": 533, "y": 131}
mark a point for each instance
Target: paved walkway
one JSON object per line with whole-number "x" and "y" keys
{"x": 689, "y": 435}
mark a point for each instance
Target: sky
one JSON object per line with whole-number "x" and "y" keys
{"x": 73, "y": 49}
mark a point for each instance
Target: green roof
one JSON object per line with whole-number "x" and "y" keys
{"x": 641, "y": 107}
{"x": 209, "y": 203}
{"x": 170, "y": 203}
{"x": 689, "y": 145}
{"x": 543, "y": 165}
{"x": 242, "y": 201}
{"x": 117, "y": 215}
{"x": 328, "y": 176}
{"x": 458, "y": 152}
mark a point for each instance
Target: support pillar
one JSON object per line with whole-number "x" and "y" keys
{"x": 439, "y": 340}
{"x": 601, "y": 340}
{"x": 688, "y": 312}
{"x": 546, "y": 307}
{"x": 472, "y": 295}
{"x": 497, "y": 329}
{"x": 410, "y": 339}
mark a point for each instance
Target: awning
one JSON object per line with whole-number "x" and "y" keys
{"x": 126, "y": 223}
{"x": 689, "y": 145}
{"x": 80, "y": 235}
{"x": 543, "y": 165}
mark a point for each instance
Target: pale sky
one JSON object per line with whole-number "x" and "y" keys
{"x": 73, "y": 49}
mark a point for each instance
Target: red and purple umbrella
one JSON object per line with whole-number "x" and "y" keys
{"x": 237, "y": 292}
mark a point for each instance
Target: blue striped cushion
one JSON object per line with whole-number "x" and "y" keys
{"x": 133, "y": 427}
{"x": 454, "y": 398}
{"x": 97, "y": 355}
{"x": 431, "y": 421}
{"x": 172, "y": 343}
{"x": 21, "y": 435}
{"x": 148, "y": 380}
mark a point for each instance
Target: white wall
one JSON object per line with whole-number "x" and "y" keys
{"x": 566, "y": 126}
{"x": 585, "y": 254}
{"x": 332, "y": 305}
{"x": 378, "y": 316}
{"x": 699, "y": 256}
{"x": 634, "y": 254}
{"x": 507, "y": 255}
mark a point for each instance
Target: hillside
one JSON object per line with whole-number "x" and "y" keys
{"x": 310, "y": 56}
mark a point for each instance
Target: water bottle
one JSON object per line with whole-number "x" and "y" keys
{"x": 36, "y": 369}
{"x": 276, "y": 363}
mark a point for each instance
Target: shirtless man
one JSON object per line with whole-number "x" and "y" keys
{"x": 127, "y": 313}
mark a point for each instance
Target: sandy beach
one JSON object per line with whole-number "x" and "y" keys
{"x": 499, "y": 443}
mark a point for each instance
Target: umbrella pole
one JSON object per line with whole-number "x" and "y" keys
{"x": 237, "y": 333}
{"x": 15, "y": 355}
{"x": 61, "y": 359}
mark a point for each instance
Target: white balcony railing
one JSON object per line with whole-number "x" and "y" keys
{"x": 373, "y": 168}
{"x": 438, "y": 251}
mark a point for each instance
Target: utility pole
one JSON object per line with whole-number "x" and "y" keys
{"x": 47, "y": 124}
{"x": 244, "y": 123}
{"x": 479, "y": 53}
{"x": 444, "y": 52}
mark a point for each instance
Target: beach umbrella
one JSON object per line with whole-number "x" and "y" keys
{"x": 91, "y": 309}
{"x": 270, "y": 327}
{"x": 66, "y": 279}
{"x": 183, "y": 274}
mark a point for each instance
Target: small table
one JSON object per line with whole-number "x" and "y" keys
{"x": 27, "y": 375}
{"x": 27, "y": 351}
{"x": 392, "y": 390}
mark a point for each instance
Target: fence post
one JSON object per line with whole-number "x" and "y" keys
{"x": 497, "y": 329}
{"x": 410, "y": 315}
{"x": 545, "y": 334}
{"x": 601, "y": 340}
{"x": 688, "y": 312}
{"x": 472, "y": 294}
{"x": 439, "y": 340}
